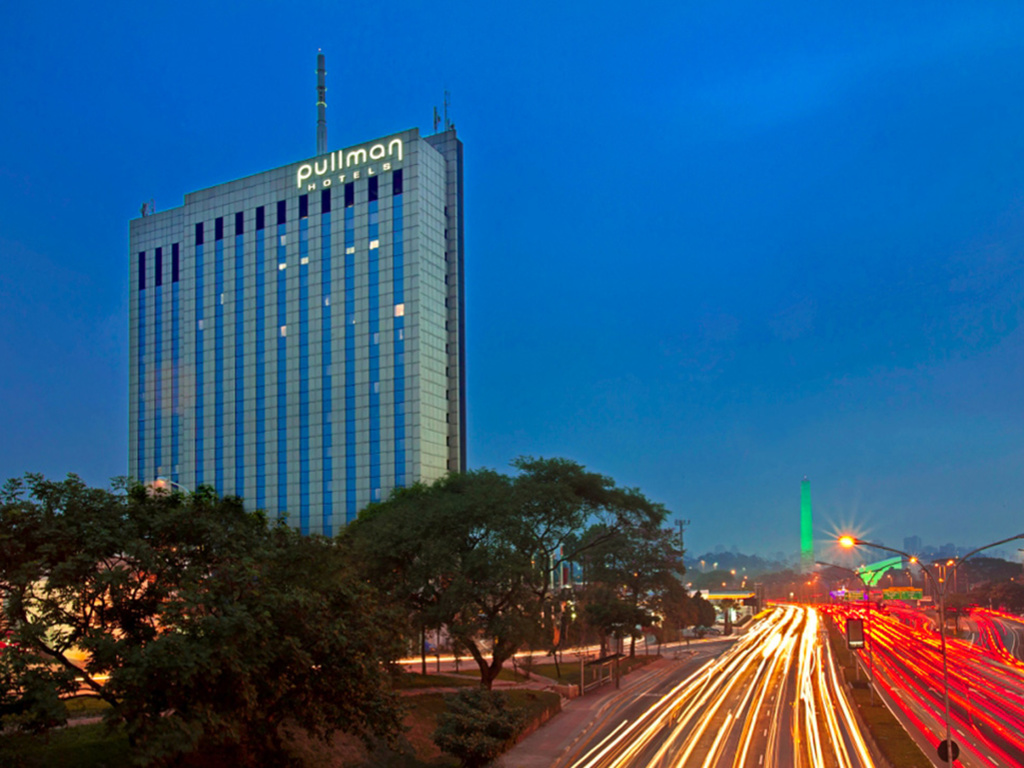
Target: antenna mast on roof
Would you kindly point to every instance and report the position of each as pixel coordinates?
(321, 104)
(448, 125)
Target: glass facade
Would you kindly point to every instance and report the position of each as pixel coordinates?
(200, 384)
(175, 365)
(259, 342)
(356, 366)
(326, 366)
(158, 358)
(350, 353)
(218, 354)
(239, 350)
(140, 391)
(282, 360)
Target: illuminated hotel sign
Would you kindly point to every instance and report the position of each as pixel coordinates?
(323, 169)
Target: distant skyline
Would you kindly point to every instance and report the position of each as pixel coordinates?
(710, 249)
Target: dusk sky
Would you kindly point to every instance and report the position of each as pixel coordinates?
(710, 247)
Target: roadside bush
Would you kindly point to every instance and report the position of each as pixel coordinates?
(477, 726)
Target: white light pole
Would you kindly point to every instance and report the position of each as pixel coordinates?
(951, 749)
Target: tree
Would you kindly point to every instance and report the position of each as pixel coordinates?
(605, 609)
(476, 551)
(197, 623)
(677, 608)
(705, 611)
(1009, 595)
(638, 564)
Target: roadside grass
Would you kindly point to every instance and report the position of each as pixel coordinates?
(418, 749)
(571, 669)
(85, 746)
(85, 706)
(414, 680)
(892, 739)
(93, 746)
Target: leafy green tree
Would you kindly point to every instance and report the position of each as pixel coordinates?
(713, 580)
(476, 726)
(1009, 595)
(639, 565)
(475, 552)
(677, 609)
(199, 624)
(606, 610)
(705, 611)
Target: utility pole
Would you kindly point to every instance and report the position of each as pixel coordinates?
(682, 525)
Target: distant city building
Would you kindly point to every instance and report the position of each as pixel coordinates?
(912, 544)
(297, 336)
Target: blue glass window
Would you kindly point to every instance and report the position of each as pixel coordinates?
(326, 383)
(260, 404)
(239, 293)
(218, 356)
(304, 368)
(282, 369)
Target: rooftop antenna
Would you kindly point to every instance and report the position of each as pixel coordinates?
(321, 104)
(447, 103)
(437, 119)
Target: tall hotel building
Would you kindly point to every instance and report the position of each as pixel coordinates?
(297, 336)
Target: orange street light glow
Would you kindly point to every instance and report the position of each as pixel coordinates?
(847, 541)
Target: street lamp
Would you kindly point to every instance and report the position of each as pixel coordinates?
(948, 749)
(161, 484)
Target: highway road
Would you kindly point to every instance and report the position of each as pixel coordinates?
(986, 682)
(773, 699)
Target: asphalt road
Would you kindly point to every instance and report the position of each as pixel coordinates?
(986, 683)
(771, 699)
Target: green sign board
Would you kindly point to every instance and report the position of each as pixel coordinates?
(902, 593)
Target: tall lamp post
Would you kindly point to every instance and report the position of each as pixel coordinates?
(948, 749)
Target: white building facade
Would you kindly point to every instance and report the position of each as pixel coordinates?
(297, 336)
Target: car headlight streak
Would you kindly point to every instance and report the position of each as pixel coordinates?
(733, 710)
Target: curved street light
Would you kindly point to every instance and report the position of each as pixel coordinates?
(848, 542)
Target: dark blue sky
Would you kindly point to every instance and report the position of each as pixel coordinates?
(711, 247)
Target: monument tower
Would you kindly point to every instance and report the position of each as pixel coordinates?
(806, 528)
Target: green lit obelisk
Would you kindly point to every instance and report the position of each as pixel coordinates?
(806, 533)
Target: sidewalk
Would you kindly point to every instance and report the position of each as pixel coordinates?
(548, 744)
